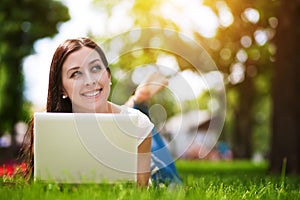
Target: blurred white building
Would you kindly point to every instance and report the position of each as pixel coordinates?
(190, 135)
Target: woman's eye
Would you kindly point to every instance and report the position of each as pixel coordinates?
(96, 68)
(75, 74)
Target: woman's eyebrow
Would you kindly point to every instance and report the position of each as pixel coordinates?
(70, 70)
(73, 68)
(95, 60)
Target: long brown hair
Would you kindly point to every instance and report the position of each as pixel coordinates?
(55, 102)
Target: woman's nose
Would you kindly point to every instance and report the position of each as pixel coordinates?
(90, 80)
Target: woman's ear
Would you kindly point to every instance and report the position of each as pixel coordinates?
(64, 95)
(109, 76)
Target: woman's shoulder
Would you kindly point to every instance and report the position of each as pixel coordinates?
(143, 120)
(129, 110)
(123, 109)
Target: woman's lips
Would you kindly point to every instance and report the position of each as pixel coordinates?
(92, 93)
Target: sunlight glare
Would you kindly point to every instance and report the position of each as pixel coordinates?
(225, 16)
(115, 48)
(213, 80)
(139, 73)
(260, 37)
(120, 19)
(251, 15)
(246, 41)
(182, 85)
(191, 16)
(242, 56)
(134, 35)
(237, 73)
(155, 42)
(168, 63)
(225, 53)
(273, 21)
(88, 14)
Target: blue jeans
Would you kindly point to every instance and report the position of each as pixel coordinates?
(163, 169)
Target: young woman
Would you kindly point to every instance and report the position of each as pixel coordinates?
(79, 81)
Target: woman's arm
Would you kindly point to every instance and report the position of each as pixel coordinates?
(144, 157)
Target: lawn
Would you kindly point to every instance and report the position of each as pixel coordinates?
(201, 180)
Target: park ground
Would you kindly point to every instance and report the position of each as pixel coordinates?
(201, 180)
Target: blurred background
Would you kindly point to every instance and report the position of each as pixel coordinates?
(232, 63)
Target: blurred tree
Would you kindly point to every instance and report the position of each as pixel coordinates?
(286, 87)
(242, 50)
(245, 59)
(22, 22)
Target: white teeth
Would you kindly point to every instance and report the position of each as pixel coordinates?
(91, 94)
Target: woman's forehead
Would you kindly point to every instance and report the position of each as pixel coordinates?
(82, 57)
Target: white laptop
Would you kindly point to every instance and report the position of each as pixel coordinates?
(85, 148)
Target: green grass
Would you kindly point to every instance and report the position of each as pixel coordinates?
(202, 180)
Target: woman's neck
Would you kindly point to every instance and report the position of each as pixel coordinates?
(113, 108)
(107, 108)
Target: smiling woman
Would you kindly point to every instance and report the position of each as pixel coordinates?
(79, 81)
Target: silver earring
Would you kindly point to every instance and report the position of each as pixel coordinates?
(64, 96)
(110, 83)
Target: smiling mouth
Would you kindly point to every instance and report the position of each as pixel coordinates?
(92, 94)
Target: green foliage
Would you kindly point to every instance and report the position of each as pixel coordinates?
(169, 104)
(22, 23)
(201, 180)
(133, 59)
(200, 103)
(262, 115)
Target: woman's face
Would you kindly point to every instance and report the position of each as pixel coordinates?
(86, 81)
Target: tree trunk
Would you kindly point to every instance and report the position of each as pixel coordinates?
(286, 91)
(242, 135)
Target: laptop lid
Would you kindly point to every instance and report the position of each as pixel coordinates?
(85, 148)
